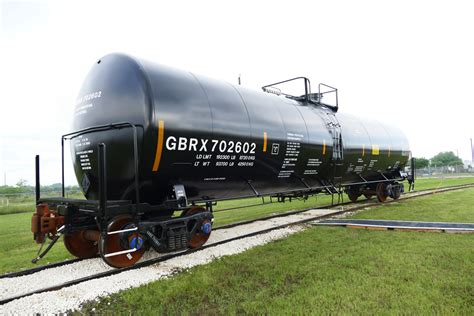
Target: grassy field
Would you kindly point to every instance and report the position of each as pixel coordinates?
(12, 204)
(431, 183)
(16, 238)
(253, 212)
(328, 270)
(17, 246)
(25, 203)
(439, 207)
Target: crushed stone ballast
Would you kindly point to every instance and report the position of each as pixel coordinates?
(64, 276)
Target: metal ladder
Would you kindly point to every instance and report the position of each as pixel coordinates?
(334, 129)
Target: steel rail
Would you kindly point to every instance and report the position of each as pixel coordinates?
(356, 205)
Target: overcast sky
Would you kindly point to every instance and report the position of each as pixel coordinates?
(406, 62)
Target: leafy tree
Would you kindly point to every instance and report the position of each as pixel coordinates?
(22, 187)
(6, 189)
(21, 183)
(446, 158)
(421, 163)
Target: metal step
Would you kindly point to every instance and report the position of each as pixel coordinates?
(332, 190)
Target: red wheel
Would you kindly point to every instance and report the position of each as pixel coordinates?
(121, 242)
(79, 246)
(381, 192)
(200, 236)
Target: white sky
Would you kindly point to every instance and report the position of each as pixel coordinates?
(408, 62)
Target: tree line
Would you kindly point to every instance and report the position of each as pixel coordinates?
(23, 187)
(443, 159)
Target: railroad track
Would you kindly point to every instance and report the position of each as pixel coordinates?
(297, 218)
(354, 206)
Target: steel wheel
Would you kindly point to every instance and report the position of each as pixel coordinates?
(120, 242)
(396, 191)
(200, 236)
(79, 246)
(381, 194)
(353, 196)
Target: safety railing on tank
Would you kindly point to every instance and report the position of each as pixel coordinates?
(330, 90)
(307, 88)
(102, 159)
(315, 98)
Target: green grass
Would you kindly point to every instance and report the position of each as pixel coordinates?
(253, 212)
(25, 203)
(319, 271)
(328, 270)
(438, 182)
(16, 237)
(258, 211)
(17, 246)
(17, 207)
(452, 206)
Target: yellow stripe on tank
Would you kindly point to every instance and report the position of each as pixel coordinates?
(375, 150)
(264, 142)
(324, 147)
(159, 145)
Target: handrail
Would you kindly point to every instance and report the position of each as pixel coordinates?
(307, 87)
(332, 89)
(307, 96)
(98, 128)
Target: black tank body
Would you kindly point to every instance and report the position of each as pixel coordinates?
(218, 140)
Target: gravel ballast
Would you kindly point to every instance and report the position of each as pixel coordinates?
(11, 287)
(72, 297)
